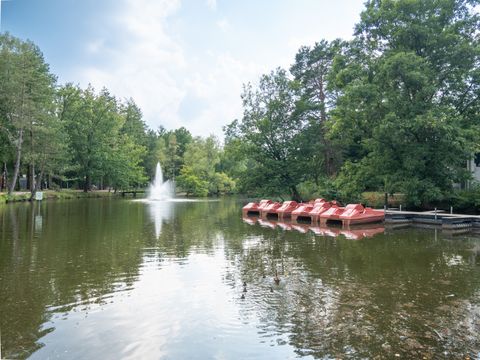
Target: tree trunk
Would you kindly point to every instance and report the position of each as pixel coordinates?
(4, 177)
(295, 194)
(31, 166)
(31, 177)
(86, 186)
(38, 183)
(17, 163)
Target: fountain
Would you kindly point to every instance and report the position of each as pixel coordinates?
(159, 190)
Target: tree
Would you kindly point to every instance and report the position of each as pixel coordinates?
(407, 111)
(270, 131)
(201, 171)
(312, 70)
(191, 183)
(92, 122)
(26, 93)
(123, 165)
(49, 149)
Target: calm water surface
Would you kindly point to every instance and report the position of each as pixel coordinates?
(111, 279)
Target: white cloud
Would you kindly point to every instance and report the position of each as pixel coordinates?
(223, 24)
(212, 4)
(153, 52)
(143, 60)
(220, 88)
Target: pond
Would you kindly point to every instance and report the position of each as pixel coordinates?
(111, 279)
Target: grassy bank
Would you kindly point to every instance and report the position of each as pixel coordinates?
(57, 195)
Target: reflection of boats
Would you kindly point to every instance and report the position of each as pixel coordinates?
(301, 228)
(360, 233)
(325, 231)
(357, 214)
(253, 208)
(249, 220)
(349, 233)
(284, 226)
(267, 223)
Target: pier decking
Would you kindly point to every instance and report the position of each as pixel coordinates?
(446, 220)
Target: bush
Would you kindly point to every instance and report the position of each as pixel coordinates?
(377, 199)
(324, 189)
(463, 201)
(191, 184)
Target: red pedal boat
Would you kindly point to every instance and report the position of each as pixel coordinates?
(301, 211)
(286, 209)
(304, 210)
(357, 214)
(318, 209)
(270, 209)
(333, 213)
(253, 208)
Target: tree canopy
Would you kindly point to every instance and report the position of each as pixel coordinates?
(394, 109)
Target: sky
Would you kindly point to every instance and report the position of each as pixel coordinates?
(184, 62)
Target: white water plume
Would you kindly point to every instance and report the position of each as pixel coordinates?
(160, 190)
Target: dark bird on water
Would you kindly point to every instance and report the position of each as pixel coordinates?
(244, 284)
(242, 297)
(276, 278)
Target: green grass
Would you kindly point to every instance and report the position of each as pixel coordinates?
(65, 194)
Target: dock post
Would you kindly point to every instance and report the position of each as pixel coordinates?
(435, 214)
(451, 209)
(400, 207)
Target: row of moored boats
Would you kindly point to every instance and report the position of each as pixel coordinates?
(317, 211)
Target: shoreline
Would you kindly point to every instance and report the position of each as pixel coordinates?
(24, 196)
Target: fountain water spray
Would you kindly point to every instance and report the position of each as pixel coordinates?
(158, 189)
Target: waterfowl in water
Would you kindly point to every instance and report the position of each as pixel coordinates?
(276, 278)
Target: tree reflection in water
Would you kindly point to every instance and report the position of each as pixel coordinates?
(404, 291)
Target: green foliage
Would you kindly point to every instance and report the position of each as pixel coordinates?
(405, 115)
(270, 132)
(323, 188)
(191, 183)
(199, 175)
(394, 110)
(26, 100)
(467, 201)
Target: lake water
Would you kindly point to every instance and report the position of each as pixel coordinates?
(123, 279)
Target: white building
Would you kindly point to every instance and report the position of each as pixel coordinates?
(474, 166)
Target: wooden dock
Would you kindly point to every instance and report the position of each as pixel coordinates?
(132, 192)
(439, 218)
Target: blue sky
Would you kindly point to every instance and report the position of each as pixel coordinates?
(182, 61)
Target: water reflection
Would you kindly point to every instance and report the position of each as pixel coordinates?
(351, 233)
(160, 211)
(123, 279)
